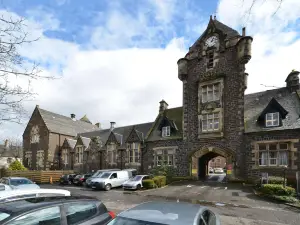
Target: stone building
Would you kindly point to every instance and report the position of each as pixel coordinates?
(255, 133)
(44, 135)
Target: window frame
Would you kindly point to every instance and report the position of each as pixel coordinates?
(215, 88)
(272, 120)
(166, 131)
(277, 152)
(80, 203)
(205, 120)
(166, 157)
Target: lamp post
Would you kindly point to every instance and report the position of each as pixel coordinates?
(284, 175)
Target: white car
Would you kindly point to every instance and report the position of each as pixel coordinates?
(12, 195)
(19, 183)
(110, 180)
(218, 170)
(135, 183)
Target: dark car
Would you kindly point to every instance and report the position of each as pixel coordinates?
(55, 211)
(162, 213)
(81, 179)
(67, 178)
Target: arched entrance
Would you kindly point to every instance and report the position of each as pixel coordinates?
(199, 160)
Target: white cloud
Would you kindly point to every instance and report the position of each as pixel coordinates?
(276, 44)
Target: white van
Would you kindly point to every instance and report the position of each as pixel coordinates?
(110, 179)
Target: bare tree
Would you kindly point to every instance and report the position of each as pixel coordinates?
(14, 69)
(15, 146)
(256, 2)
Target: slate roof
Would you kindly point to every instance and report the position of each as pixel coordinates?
(121, 133)
(65, 125)
(255, 104)
(174, 116)
(71, 142)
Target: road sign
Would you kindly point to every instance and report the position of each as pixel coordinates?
(229, 172)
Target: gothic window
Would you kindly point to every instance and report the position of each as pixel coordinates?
(272, 119)
(40, 159)
(166, 131)
(65, 156)
(210, 122)
(273, 154)
(211, 92)
(111, 153)
(133, 153)
(34, 135)
(79, 154)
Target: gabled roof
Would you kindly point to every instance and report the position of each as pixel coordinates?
(273, 104)
(174, 117)
(256, 103)
(57, 123)
(85, 119)
(71, 142)
(121, 133)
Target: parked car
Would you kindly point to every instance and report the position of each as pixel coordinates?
(12, 195)
(135, 183)
(19, 183)
(98, 173)
(4, 187)
(160, 213)
(211, 170)
(80, 179)
(218, 170)
(67, 178)
(61, 210)
(110, 180)
(132, 172)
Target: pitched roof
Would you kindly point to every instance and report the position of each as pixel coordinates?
(121, 133)
(174, 116)
(256, 103)
(85, 119)
(65, 125)
(71, 142)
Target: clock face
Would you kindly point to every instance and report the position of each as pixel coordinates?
(211, 41)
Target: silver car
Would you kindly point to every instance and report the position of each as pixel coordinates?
(19, 183)
(171, 213)
(135, 183)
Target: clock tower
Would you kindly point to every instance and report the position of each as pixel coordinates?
(214, 81)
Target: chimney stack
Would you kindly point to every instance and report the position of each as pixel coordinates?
(112, 125)
(244, 31)
(163, 106)
(98, 125)
(292, 81)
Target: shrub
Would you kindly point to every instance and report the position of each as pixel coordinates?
(277, 189)
(275, 180)
(236, 180)
(182, 178)
(160, 181)
(166, 171)
(149, 184)
(16, 165)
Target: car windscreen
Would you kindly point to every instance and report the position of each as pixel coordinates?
(20, 181)
(122, 220)
(105, 175)
(3, 215)
(136, 178)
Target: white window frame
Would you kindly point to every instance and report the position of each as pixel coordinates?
(65, 156)
(34, 135)
(206, 121)
(212, 89)
(166, 156)
(272, 122)
(166, 131)
(273, 161)
(79, 154)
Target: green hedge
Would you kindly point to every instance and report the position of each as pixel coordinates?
(160, 181)
(275, 180)
(277, 189)
(149, 184)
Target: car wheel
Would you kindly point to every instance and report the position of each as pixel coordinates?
(138, 187)
(107, 187)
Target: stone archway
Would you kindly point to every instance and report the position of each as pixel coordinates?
(205, 154)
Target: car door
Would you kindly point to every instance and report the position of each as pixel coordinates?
(46, 216)
(114, 179)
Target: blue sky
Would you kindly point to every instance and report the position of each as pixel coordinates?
(117, 59)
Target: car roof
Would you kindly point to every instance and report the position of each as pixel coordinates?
(20, 206)
(5, 194)
(15, 178)
(165, 212)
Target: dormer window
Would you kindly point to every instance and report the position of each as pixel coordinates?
(272, 119)
(166, 131)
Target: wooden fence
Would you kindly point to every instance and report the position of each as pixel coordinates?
(39, 176)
